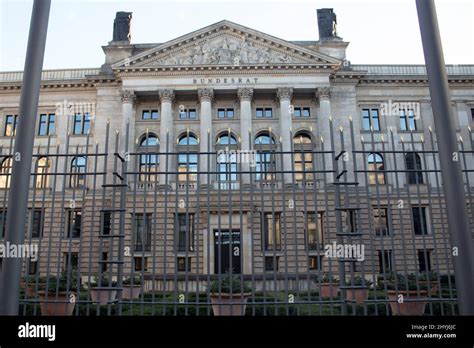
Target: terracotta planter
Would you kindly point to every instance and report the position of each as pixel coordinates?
(29, 288)
(229, 304)
(358, 295)
(406, 308)
(434, 285)
(329, 289)
(59, 304)
(103, 296)
(131, 292)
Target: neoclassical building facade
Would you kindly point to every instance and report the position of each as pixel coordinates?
(228, 148)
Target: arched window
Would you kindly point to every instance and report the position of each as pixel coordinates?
(5, 172)
(227, 158)
(265, 163)
(264, 139)
(42, 170)
(303, 157)
(187, 158)
(78, 169)
(188, 139)
(226, 139)
(413, 165)
(376, 169)
(149, 158)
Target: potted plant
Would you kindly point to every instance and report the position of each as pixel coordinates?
(58, 294)
(329, 285)
(103, 289)
(402, 289)
(229, 295)
(430, 281)
(357, 289)
(28, 284)
(131, 288)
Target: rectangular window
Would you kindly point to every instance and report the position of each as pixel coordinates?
(185, 231)
(315, 263)
(370, 119)
(184, 264)
(32, 267)
(225, 113)
(82, 124)
(103, 263)
(272, 231)
(140, 264)
(47, 124)
(3, 222)
(424, 260)
(142, 232)
(385, 261)
(106, 221)
(264, 113)
(420, 225)
(71, 261)
(10, 125)
(150, 114)
(349, 221)
(303, 166)
(187, 167)
(271, 263)
(301, 112)
(265, 166)
(315, 231)
(187, 114)
(380, 221)
(407, 120)
(36, 223)
(74, 222)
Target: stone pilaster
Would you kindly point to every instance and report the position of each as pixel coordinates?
(245, 95)
(285, 95)
(323, 96)
(166, 134)
(206, 96)
(128, 100)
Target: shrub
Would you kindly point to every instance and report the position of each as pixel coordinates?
(229, 284)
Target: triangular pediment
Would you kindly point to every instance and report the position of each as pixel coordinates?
(225, 43)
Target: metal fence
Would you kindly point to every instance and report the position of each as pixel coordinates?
(350, 225)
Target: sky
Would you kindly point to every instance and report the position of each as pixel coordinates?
(379, 31)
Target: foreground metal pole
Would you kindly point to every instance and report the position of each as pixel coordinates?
(22, 156)
(458, 223)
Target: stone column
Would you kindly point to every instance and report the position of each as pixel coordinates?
(128, 99)
(323, 95)
(285, 95)
(166, 134)
(245, 95)
(205, 97)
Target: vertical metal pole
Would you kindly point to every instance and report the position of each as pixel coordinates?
(458, 223)
(22, 157)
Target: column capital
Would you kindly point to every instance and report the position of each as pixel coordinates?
(128, 96)
(284, 93)
(323, 93)
(245, 94)
(205, 94)
(166, 95)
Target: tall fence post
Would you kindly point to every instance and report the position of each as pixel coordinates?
(458, 223)
(22, 156)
